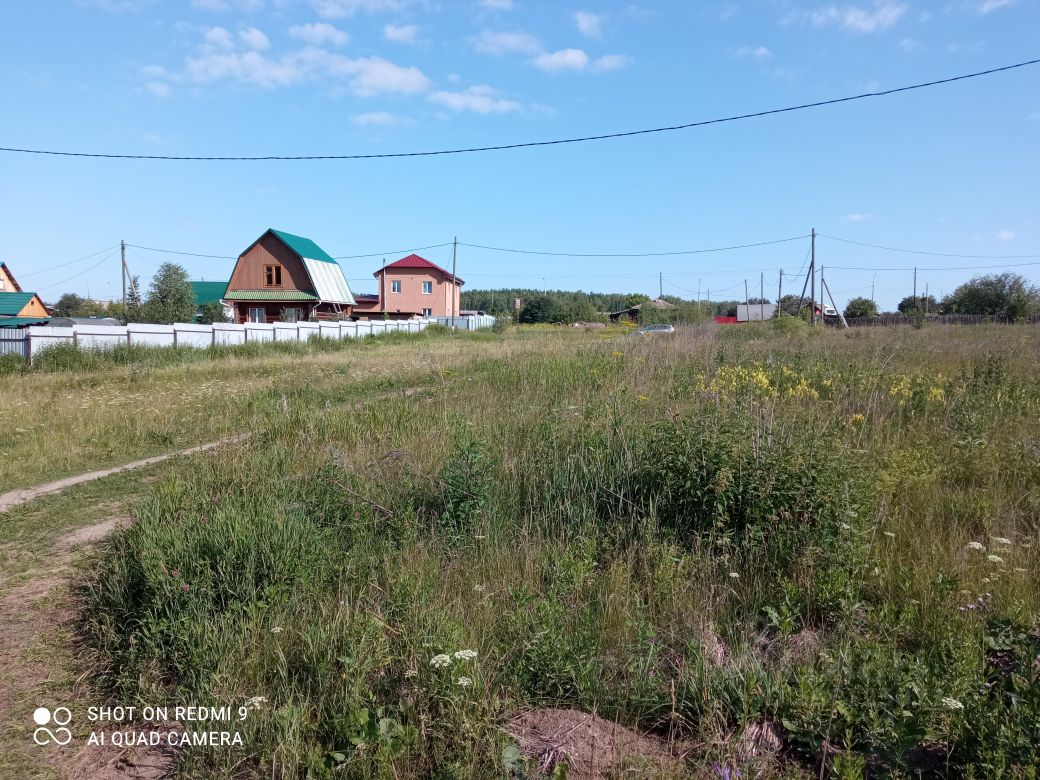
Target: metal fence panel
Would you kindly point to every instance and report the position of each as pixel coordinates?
(14, 342)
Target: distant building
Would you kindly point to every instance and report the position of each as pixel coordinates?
(412, 287)
(212, 292)
(282, 277)
(632, 313)
(15, 302)
(755, 312)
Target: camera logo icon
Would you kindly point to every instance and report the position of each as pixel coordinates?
(60, 735)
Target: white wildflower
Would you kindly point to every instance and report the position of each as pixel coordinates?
(952, 704)
(255, 702)
(1001, 540)
(890, 535)
(465, 655)
(1019, 569)
(277, 630)
(994, 559)
(478, 588)
(984, 580)
(976, 546)
(440, 660)
(734, 575)
(465, 682)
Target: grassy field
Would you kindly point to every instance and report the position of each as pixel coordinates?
(827, 537)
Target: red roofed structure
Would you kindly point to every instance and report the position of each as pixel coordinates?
(412, 287)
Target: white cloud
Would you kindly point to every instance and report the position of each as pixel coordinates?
(376, 119)
(507, 43)
(158, 88)
(857, 218)
(910, 45)
(589, 25)
(479, 99)
(403, 33)
(219, 37)
(497, 5)
(1006, 235)
(755, 52)
(988, 6)
(319, 34)
(610, 62)
(254, 39)
(565, 59)
(338, 9)
(215, 62)
(853, 18)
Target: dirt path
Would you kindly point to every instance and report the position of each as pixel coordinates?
(38, 617)
(18, 497)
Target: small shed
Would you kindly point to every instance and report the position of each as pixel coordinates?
(632, 313)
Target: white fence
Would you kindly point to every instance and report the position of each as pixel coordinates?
(29, 341)
(467, 323)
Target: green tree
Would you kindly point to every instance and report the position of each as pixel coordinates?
(538, 308)
(1007, 294)
(68, 305)
(134, 307)
(789, 304)
(170, 298)
(212, 311)
(922, 303)
(861, 307)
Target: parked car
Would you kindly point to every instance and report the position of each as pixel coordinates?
(649, 330)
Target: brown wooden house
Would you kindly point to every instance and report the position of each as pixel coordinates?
(15, 302)
(287, 278)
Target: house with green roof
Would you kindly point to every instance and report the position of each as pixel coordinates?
(16, 302)
(211, 292)
(281, 277)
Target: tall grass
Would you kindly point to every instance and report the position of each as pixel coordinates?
(688, 535)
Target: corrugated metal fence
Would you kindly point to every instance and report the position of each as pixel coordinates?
(29, 341)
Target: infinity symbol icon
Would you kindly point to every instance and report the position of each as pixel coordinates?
(61, 737)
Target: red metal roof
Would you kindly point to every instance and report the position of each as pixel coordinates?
(414, 261)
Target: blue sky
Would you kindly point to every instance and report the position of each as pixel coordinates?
(952, 169)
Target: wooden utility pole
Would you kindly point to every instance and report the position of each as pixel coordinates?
(779, 292)
(698, 297)
(747, 303)
(915, 286)
(122, 257)
(660, 284)
(812, 275)
(454, 283)
(926, 299)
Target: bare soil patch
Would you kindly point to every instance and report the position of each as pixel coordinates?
(590, 747)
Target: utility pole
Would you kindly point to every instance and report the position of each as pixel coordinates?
(926, 299)
(812, 276)
(454, 283)
(779, 292)
(747, 303)
(698, 297)
(122, 257)
(762, 296)
(660, 284)
(872, 280)
(915, 286)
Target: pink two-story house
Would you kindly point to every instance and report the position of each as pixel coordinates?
(411, 287)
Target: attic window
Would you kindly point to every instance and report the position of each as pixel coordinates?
(272, 276)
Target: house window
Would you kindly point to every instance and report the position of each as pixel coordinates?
(427, 312)
(427, 288)
(292, 314)
(258, 314)
(272, 276)
(395, 286)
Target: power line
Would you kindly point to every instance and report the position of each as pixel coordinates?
(391, 252)
(71, 262)
(186, 254)
(529, 144)
(921, 252)
(634, 254)
(80, 273)
(931, 268)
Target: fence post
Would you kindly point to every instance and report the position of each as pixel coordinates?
(174, 327)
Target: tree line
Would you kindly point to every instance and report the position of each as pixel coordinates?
(1004, 295)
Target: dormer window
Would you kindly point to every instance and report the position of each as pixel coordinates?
(272, 276)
